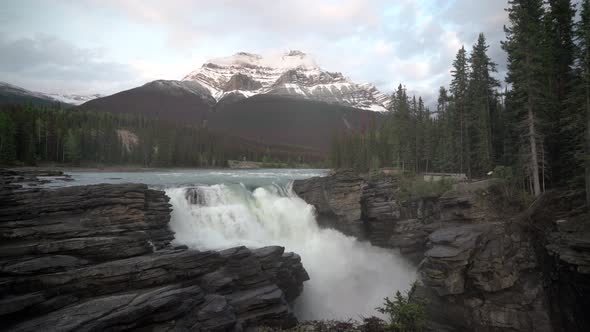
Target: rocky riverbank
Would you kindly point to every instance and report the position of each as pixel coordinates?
(483, 267)
(94, 258)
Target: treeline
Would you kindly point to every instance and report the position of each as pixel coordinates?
(538, 126)
(461, 135)
(31, 135)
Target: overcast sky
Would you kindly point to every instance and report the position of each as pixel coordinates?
(104, 46)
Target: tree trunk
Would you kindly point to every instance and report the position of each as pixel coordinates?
(532, 133)
(461, 148)
(587, 156)
(543, 166)
(468, 151)
(534, 167)
(489, 136)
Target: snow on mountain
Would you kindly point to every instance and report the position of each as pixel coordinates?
(18, 91)
(74, 99)
(289, 74)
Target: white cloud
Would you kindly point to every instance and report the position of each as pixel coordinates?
(383, 47)
(48, 63)
(414, 70)
(450, 39)
(150, 70)
(384, 42)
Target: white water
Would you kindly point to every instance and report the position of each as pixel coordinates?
(348, 278)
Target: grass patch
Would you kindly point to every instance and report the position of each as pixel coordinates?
(417, 187)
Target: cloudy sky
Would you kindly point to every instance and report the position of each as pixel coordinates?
(104, 46)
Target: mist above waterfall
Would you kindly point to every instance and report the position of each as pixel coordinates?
(349, 278)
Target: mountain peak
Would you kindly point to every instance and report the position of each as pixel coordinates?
(295, 53)
(292, 73)
(247, 54)
(288, 60)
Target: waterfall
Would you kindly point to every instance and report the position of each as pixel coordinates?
(349, 278)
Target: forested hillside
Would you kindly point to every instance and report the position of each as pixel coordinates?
(31, 135)
(535, 130)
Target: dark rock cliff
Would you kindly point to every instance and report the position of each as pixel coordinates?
(337, 200)
(369, 209)
(561, 227)
(94, 258)
(482, 267)
(242, 82)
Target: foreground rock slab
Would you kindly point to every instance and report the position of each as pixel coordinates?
(96, 258)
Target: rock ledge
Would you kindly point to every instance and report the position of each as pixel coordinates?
(95, 258)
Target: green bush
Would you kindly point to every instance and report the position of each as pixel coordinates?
(406, 313)
(412, 187)
(509, 189)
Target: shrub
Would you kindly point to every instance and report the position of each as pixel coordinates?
(406, 313)
(509, 189)
(416, 187)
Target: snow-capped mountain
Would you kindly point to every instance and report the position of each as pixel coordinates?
(7, 88)
(13, 93)
(285, 99)
(294, 73)
(74, 99)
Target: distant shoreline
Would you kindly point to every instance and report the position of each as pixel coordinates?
(107, 169)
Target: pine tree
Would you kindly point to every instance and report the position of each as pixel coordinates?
(459, 86)
(401, 128)
(428, 140)
(411, 137)
(481, 105)
(420, 134)
(525, 73)
(444, 155)
(579, 120)
(7, 141)
(72, 152)
(336, 152)
(559, 49)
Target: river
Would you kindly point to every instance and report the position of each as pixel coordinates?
(256, 208)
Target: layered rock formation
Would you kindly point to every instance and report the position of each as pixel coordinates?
(371, 209)
(336, 199)
(482, 267)
(561, 228)
(99, 257)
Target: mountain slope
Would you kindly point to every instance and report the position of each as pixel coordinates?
(284, 100)
(168, 100)
(267, 118)
(293, 74)
(12, 94)
(73, 99)
(292, 121)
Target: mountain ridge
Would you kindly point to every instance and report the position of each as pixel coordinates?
(10, 93)
(293, 73)
(283, 100)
